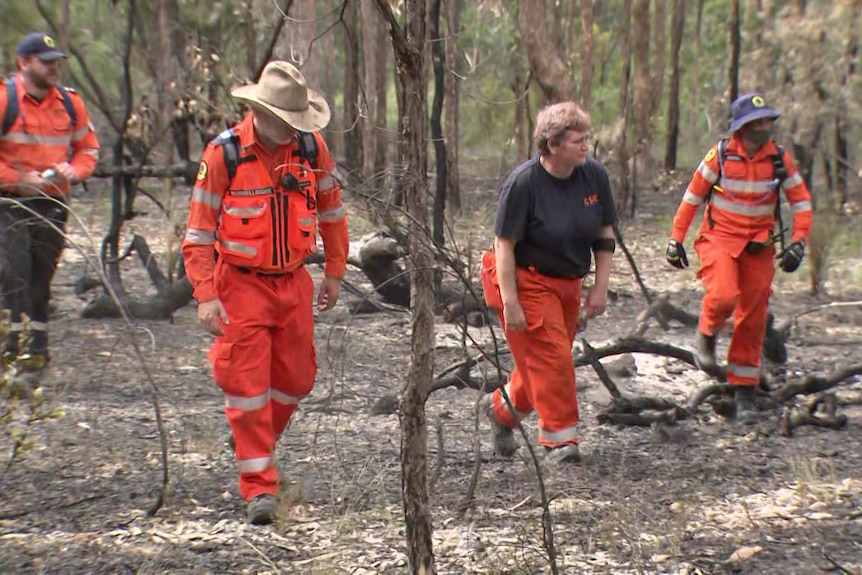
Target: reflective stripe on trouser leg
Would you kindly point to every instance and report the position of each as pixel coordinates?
(294, 358)
(719, 273)
(543, 352)
(746, 345)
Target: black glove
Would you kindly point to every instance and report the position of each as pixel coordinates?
(676, 255)
(792, 257)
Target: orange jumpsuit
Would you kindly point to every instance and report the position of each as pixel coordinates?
(743, 211)
(261, 232)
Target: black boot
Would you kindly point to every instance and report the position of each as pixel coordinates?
(36, 357)
(705, 357)
(746, 411)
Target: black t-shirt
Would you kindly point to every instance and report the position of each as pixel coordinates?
(554, 222)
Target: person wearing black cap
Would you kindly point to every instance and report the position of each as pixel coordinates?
(47, 144)
(740, 180)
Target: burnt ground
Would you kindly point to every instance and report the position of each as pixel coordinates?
(681, 500)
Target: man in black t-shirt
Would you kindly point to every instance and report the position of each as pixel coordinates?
(555, 211)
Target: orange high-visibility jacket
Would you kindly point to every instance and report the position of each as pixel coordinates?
(42, 136)
(743, 206)
(253, 221)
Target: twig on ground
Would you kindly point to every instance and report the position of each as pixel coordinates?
(836, 566)
(590, 355)
(269, 562)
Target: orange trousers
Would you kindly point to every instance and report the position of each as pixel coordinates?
(265, 363)
(544, 376)
(740, 285)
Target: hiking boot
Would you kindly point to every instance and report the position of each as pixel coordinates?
(563, 454)
(705, 356)
(36, 357)
(746, 411)
(261, 509)
(10, 348)
(504, 437)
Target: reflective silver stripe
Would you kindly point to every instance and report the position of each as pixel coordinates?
(743, 370)
(37, 140)
(200, 237)
(707, 174)
(283, 397)
(238, 247)
(803, 206)
(254, 465)
(16, 326)
(206, 197)
(566, 434)
(80, 134)
(333, 215)
(325, 182)
(793, 180)
(519, 415)
(37, 326)
(247, 403)
(747, 187)
(692, 199)
(743, 209)
(91, 152)
(244, 212)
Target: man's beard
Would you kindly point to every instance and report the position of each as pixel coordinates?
(41, 82)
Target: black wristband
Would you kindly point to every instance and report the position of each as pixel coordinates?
(605, 245)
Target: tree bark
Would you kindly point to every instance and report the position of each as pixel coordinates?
(548, 66)
(588, 57)
(694, 108)
(677, 30)
(408, 44)
(452, 104)
(625, 192)
(735, 50)
(658, 56)
(353, 131)
(642, 93)
(438, 61)
(369, 92)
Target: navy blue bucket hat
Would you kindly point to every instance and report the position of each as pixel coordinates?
(749, 108)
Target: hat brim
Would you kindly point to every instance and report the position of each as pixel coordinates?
(51, 56)
(315, 118)
(759, 114)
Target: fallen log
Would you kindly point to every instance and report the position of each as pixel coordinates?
(185, 170)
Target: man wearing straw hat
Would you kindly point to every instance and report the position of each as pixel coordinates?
(263, 189)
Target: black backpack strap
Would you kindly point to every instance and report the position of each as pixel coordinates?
(11, 105)
(722, 150)
(308, 148)
(229, 143)
(70, 107)
(780, 170)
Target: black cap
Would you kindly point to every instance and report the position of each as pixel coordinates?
(40, 45)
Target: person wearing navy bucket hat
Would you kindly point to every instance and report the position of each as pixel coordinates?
(740, 181)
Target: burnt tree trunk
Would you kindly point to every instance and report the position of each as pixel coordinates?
(438, 61)
(735, 48)
(353, 132)
(677, 29)
(451, 111)
(588, 47)
(408, 43)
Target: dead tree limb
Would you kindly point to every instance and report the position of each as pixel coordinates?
(793, 418)
(811, 384)
(185, 170)
(590, 355)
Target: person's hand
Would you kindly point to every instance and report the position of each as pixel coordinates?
(327, 295)
(31, 184)
(676, 255)
(513, 316)
(597, 302)
(67, 172)
(209, 314)
(792, 257)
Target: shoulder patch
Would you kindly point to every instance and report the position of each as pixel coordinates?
(202, 171)
(709, 155)
(70, 89)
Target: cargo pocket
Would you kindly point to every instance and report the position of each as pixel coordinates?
(490, 285)
(220, 356)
